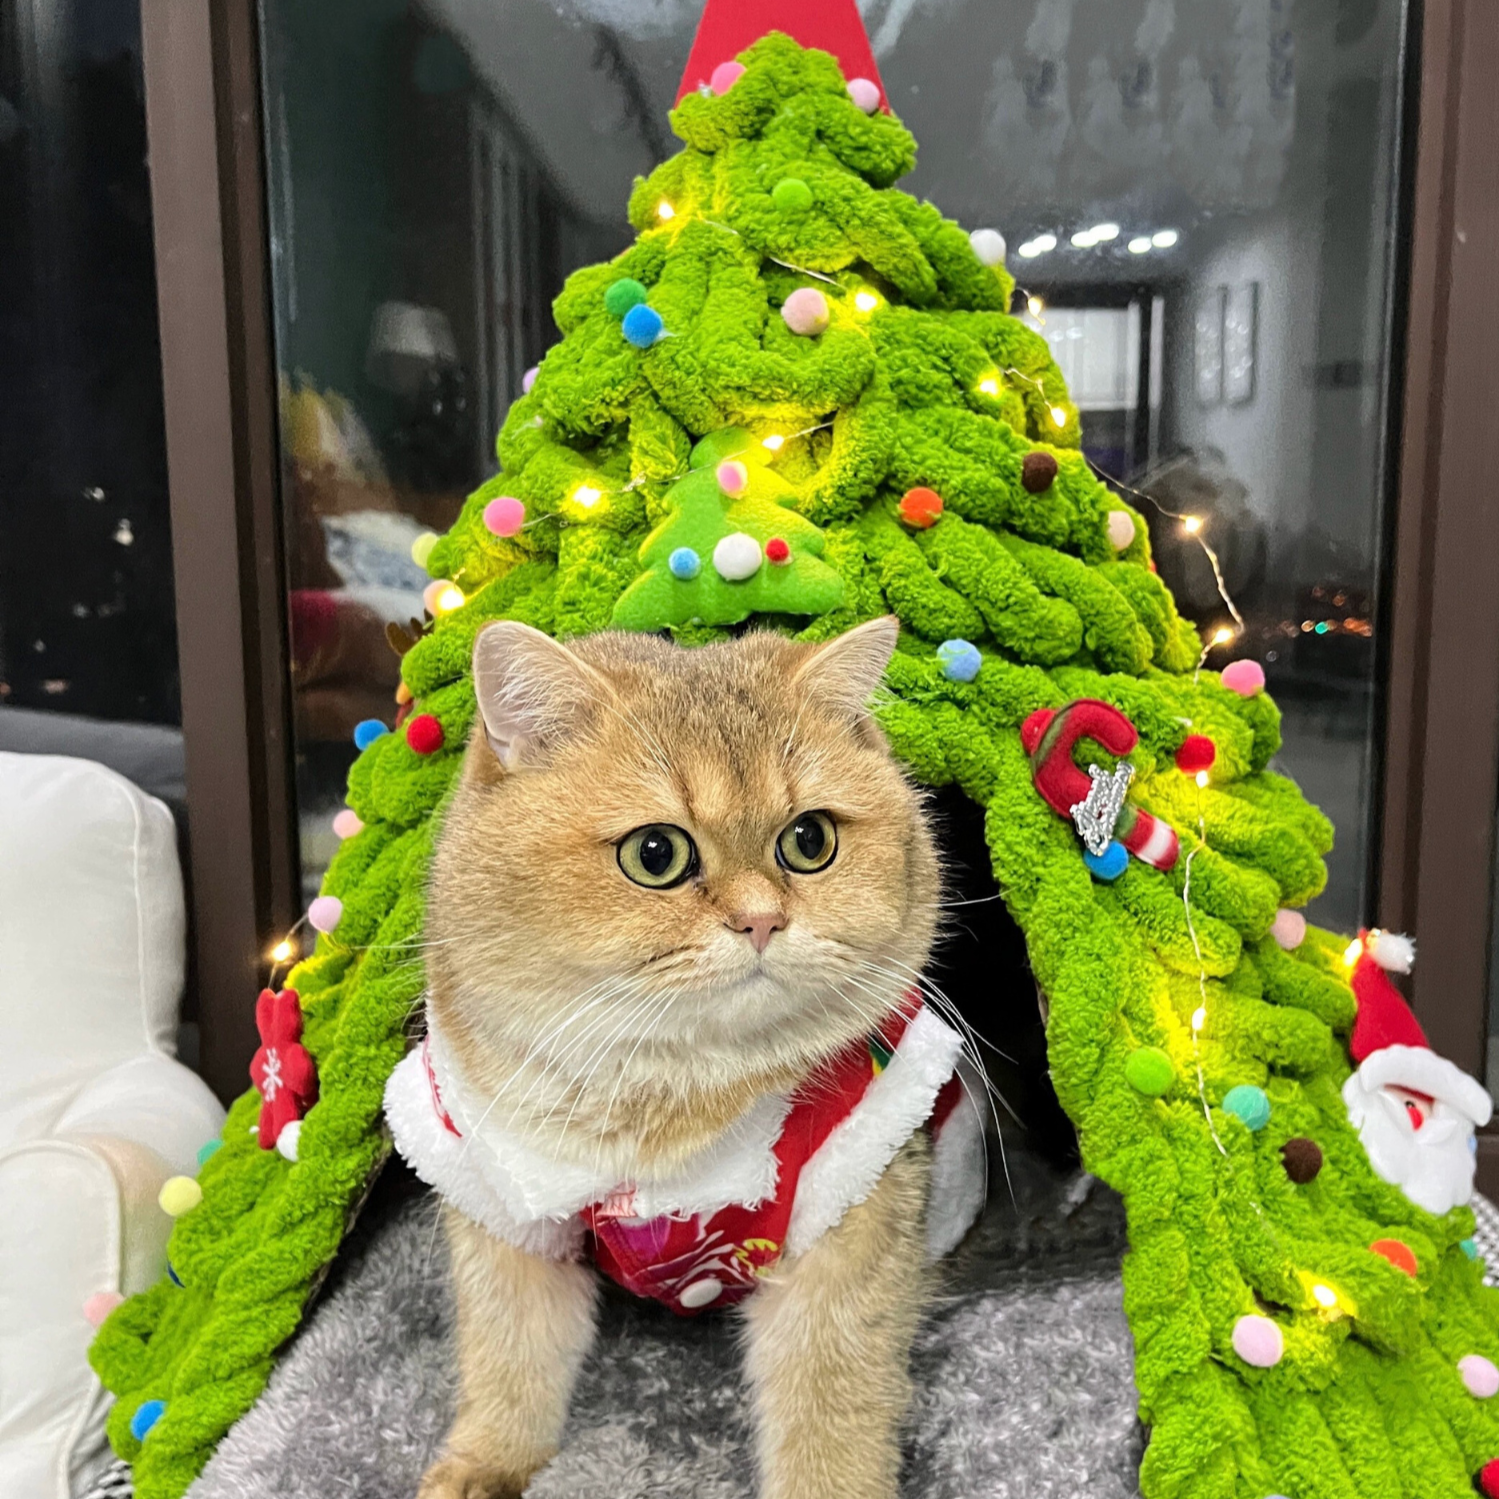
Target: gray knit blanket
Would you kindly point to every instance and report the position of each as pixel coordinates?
(1023, 1374)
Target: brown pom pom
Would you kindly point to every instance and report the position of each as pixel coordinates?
(1303, 1159)
(1037, 471)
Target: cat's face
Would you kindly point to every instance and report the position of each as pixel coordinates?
(707, 848)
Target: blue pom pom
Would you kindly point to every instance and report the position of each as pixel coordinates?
(960, 660)
(1249, 1104)
(642, 325)
(367, 731)
(1469, 1247)
(172, 1274)
(684, 563)
(208, 1150)
(147, 1414)
(1108, 865)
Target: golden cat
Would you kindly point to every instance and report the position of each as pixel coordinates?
(677, 912)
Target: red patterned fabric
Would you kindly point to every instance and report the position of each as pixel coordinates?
(693, 1263)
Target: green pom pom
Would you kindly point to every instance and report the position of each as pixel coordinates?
(791, 195)
(1248, 1103)
(1149, 1070)
(623, 295)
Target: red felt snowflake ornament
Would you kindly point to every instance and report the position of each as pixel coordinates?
(282, 1070)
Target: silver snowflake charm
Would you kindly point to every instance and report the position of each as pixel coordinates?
(1095, 817)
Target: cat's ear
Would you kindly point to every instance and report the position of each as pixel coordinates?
(532, 691)
(846, 671)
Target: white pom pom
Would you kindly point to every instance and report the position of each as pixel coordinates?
(1392, 951)
(988, 245)
(289, 1138)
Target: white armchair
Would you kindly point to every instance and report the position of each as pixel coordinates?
(95, 1112)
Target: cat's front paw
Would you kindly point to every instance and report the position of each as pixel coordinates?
(461, 1478)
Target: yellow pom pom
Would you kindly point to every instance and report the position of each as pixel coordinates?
(179, 1195)
(421, 548)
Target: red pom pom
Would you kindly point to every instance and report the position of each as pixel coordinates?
(1398, 1254)
(776, 550)
(921, 507)
(1488, 1479)
(424, 734)
(1034, 727)
(1197, 752)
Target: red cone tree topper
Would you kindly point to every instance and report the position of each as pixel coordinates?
(729, 26)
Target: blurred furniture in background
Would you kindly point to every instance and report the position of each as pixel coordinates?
(95, 1110)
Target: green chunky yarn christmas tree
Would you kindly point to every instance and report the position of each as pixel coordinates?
(820, 351)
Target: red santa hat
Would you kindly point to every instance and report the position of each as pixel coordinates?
(1388, 1044)
(729, 26)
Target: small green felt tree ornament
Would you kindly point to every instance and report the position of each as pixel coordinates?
(730, 546)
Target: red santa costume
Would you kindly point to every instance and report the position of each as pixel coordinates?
(1414, 1111)
(777, 1180)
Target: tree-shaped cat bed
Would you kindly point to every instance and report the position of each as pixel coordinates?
(799, 400)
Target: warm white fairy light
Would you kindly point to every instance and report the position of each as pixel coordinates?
(866, 301)
(1222, 635)
(664, 210)
(282, 951)
(774, 443)
(1325, 1296)
(587, 496)
(1035, 306)
(1199, 1019)
(1202, 778)
(450, 598)
(989, 385)
(1059, 416)
(1191, 524)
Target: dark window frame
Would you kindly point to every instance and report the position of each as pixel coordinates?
(1439, 778)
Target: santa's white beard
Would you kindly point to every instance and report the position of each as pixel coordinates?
(1433, 1165)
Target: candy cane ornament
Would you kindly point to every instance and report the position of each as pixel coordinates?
(1049, 736)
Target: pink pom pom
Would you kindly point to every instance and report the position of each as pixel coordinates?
(806, 311)
(732, 476)
(1258, 1341)
(865, 93)
(725, 76)
(1289, 928)
(1479, 1376)
(99, 1306)
(325, 913)
(529, 379)
(347, 823)
(1244, 677)
(504, 516)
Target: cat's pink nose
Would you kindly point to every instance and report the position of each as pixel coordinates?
(758, 926)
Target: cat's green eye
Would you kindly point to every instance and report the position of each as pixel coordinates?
(658, 856)
(808, 843)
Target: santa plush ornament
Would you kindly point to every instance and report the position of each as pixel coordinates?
(1414, 1111)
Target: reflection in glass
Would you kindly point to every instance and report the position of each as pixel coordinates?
(1197, 200)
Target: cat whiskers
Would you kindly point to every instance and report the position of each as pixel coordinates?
(945, 1007)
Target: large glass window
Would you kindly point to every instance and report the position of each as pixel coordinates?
(87, 627)
(1198, 201)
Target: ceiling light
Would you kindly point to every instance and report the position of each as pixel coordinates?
(1102, 232)
(1044, 242)
(1083, 239)
(1139, 245)
(1163, 239)
(1030, 249)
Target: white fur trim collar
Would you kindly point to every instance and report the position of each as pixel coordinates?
(895, 1105)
